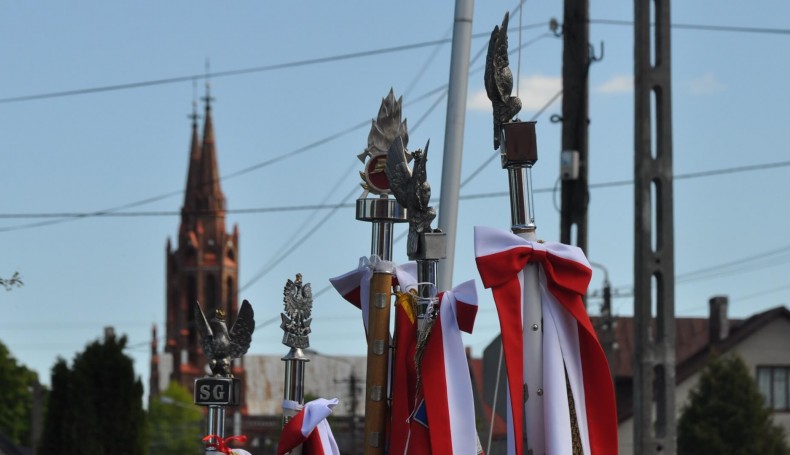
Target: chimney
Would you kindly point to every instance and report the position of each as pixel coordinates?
(718, 325)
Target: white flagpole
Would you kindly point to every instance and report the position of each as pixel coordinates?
(519, 153)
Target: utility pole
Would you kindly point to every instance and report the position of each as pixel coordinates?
(574, 158)
(654, 267)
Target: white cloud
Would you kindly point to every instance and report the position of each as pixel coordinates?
(617, 84)
(535, 92)
(706, 84)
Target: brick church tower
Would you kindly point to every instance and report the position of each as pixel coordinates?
(203, 267)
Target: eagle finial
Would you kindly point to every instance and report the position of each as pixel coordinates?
(220, 345)
(298, 303)
(411, 189)
(499, 80)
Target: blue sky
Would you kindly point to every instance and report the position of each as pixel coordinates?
(89, 152)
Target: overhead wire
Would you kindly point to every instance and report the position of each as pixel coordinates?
(288, 244)
(246, 170)
(242, 71)
(288, 247)
(352, 55)
(314, 207)
(702, 27)
(265, 163)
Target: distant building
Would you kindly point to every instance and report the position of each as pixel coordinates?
(760, 340)
(203, 267)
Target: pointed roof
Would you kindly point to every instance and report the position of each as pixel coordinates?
(193, 174)
(210, 190)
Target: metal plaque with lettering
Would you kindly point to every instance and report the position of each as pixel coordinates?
(214, 391)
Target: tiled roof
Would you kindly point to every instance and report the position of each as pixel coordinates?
(691, 336)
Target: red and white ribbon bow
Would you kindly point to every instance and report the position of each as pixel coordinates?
(570, 344)
(309, 429)
(221, 444)
(354, 286)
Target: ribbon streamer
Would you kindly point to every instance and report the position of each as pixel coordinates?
(221, 444)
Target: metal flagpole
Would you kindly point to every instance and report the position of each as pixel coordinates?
(221, 346)
(298, 303)
(520, 152)
(454, 133)
(382, 212)
(517, 145)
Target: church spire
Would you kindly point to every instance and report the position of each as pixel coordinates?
(213, 199)
(193, 174)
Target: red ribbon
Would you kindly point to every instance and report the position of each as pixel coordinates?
(221, 443)
(567, 278)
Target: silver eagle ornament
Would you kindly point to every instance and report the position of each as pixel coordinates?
(499, 80)
(411, 189)
(298, 302)
(220, 345)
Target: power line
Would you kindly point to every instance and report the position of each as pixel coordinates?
(288, 249)
(353, 55)
(314, 207)
(242, 71)
(274, 263)
(703, 27)
(108, 212)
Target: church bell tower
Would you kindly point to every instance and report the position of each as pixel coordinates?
(203, 267)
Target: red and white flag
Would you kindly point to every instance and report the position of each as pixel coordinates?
(440, 418)
(310, 430)
(570, 344)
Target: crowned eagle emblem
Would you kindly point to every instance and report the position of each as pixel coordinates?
(220, 345)
(298, 302)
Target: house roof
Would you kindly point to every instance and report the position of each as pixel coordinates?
(692, 349)
(737, 334)
(691, 336)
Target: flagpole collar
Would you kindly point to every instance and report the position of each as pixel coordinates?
(380, 209)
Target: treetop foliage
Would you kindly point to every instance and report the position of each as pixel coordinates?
(96, 405)
(16, 398)
(726, 414)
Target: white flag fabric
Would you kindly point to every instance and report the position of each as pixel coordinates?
(570, 345)
(310, 430)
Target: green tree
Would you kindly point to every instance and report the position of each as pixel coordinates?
(726, 414)
(96, 406)
(175, 423)
(57, 436)
(16, 398)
